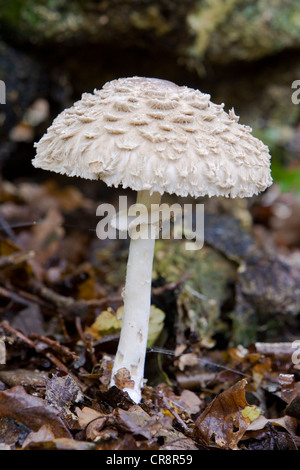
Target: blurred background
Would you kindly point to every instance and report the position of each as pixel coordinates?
(244, 53)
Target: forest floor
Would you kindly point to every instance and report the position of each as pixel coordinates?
(56, 281)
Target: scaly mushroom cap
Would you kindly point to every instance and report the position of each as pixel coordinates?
(150, 134)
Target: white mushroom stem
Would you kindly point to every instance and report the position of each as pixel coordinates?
(137, 300)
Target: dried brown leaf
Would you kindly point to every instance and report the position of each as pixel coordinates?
(93, 430)
(135, 420)
(222, 422)
(31, 411)
(140, 423)
(293, 409)
(86, 415)
(44, 434)
(270, 438)
(25, 377)
(286, 422)
(178, 441)
(192, 403)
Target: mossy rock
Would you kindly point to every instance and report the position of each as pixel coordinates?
(202, 295)
(231, 30)
(220, 30)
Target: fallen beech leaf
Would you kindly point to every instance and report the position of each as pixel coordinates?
(140, 423)
(175, 440)
(135, 420)
(286, 422)
(86, 415)
(222, 422)
(192, 401)
(109, 322)
(293, 409)
(93, 430)
(44, 434)
(270, 438)
(24, 377)
(251, 412)
(61, 443)
(31, 411)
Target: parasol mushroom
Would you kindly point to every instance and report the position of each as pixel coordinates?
(152, 136)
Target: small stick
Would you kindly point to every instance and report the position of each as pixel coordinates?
(7, 229)
(64, 350)
(17, 333)
(13, 296)
(175, 414)
(86, 341)
(170, 285)
(15, 258)
(60, 301)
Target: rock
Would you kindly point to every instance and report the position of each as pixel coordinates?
(136, 23)
(202, 295)
(226, 31)
(222, 31)
(234, 288)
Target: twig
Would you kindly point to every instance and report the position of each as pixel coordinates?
(170, 285)
(7, 229)
(15, 258)
(13, 296)
(175, 414)
(60, 366)
(61, 349)
(60, 301)
(6, 326)
(86, 341)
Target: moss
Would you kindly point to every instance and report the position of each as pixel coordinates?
(133, 23)
(244, 29)
(220, 30)
(205, 20)
(151, 18)
(203, 294)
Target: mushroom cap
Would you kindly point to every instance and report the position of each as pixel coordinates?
(151, 134)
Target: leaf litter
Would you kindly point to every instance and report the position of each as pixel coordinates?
(222, 372)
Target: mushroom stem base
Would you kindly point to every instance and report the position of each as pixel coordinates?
(128, 369)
